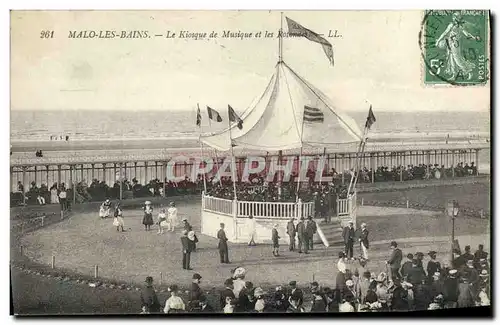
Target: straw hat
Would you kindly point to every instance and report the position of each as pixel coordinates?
(147, 203)
(484, 274)
(349, 283)
(172, 204)
(258, 292)
(239, 272)
(381, 277)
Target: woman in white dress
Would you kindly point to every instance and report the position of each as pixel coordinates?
(118, 221)
(172, 217)
(105, 208)
(162, 221)
(251, 225)
(54, 198)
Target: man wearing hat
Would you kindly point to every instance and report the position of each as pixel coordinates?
(364, 284)
(472, 276)
(246, 298)
(484, 281)
(399, 300)
(195, 294)
(222, 246)
(395, 261)
(311, 229)
(319, 301)
(291, 232)
(205, 308)
(149, 299)
(227, 292)
(451, 289)
(416, 273)
(363, 240)
(480, 253)
(407, 265)
(276, 240)
(467, 255)
(301, 235)
(296, 292)
(433, 266)
(187, 248)
(348, 235)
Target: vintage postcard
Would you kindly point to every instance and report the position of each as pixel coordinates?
(221, 162)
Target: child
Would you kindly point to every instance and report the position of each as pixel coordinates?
(275, 238)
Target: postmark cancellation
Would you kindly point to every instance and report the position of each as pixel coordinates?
(455, 47)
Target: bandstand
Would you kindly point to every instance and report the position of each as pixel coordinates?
(291, 114)
(234, 214)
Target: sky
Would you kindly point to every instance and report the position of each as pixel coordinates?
(377, 58)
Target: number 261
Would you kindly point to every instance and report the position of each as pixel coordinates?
(47, 34)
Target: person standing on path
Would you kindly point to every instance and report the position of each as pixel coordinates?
(363, 241)
(394, 262)
(291, 232)
(222, 246)
(348, 235)
(301, 235)
(311, 229)
(172, 217)
(276, 238)
(186, 251)
(147, 220)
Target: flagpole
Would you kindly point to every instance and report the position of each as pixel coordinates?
(361, 148)
(280, 40)
(201, 152)
(300, 161)
(323, 159)
(354, 180)
(233, 162)
(215, 151)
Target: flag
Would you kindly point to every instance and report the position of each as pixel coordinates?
(295, 29)
(233, 117)
(198, 117)
(213, 114)
(313, 115)
(370, 119)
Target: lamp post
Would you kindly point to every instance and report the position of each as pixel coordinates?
(452, 210)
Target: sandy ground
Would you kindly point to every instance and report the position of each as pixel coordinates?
(85, 240)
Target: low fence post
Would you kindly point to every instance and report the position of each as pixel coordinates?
(362, 201)
(161, 278)
(62, 214)
(53, 264)
(96, 271)
(22, 250)
(407, 204)
(43, 218)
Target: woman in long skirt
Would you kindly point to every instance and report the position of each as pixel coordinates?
(172, 217)
(118, 222)
(147, 221)
(105, 208)
(162, 221)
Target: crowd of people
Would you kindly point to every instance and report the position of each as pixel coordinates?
(257, 188)
(408, 286)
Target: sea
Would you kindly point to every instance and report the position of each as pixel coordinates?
(89, 125)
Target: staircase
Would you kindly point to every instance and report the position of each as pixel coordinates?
(332, 231)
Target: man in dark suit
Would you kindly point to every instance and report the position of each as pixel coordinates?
(223, 249)
(301, 235)
(205, 308)
(196, 294)
(323, 203)
(227, 292)
(395, 261)
(407, 265)
(311, 229)
(291, 231)
(433, 266)
(348, 235)
(186, 251)
(296, 292)
(363, 240)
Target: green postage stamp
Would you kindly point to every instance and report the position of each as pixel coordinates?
(455, 47)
